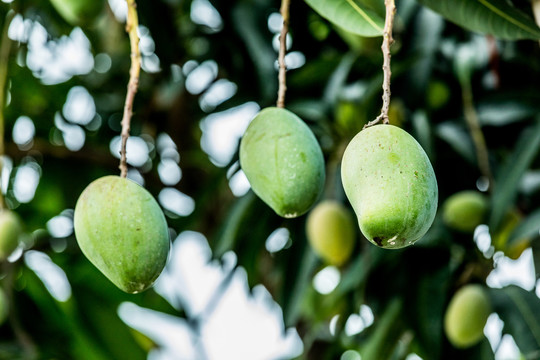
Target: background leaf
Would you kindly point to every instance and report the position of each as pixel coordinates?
(519, 309)
(507, 180)
(495, 17)
(351, 15)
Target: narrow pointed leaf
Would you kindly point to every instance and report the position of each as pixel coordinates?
(351, 15)
(495, 17)
(507, 181)
(519, 309)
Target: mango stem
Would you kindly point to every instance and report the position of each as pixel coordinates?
(132, 25)
(388, 40)
(285, 4)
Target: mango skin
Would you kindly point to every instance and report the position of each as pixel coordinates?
(282, 161)
(10, 232)
(391, 185)
(330, 231)
(465, 210)
(121, 229)
(466, 316)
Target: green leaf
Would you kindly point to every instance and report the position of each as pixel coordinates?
(429, 310)
(536, 257)
(519, 309)
(495, 17)
(458, 138)
(507, 181)
(527, 228)
(388, 328)
(351, 15)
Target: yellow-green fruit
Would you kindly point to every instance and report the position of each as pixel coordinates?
(4, 306)
(391, 185)
(121, 229)
(438, 94)
(466, 316)
(282, 161)
(78, 12)
(500, 237)
(465, 210)
(330, 232)
(10, 231)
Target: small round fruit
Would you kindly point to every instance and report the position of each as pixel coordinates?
(282, 161)
(391, 185)
(438, 94)
(465, 210)
(330, 232)
(10, 231)
(466, 316)
(121, 229)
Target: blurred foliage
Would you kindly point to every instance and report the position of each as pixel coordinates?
(336, 91)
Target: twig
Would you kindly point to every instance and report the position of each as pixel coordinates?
(5, 49)
(24, 339)
(471, 117)
(131, 28)
(388, 40)
(285, 4)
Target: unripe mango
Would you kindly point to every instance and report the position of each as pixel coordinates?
(466, 316)
(465, 210)
(282, 161)
(121, 229)
(391, 185)
(10, 231)
(330, 232)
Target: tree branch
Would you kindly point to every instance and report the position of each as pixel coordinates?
(131, 28)
(285, 4)
(387, 73)
(471, 117)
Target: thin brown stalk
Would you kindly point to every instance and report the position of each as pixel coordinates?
(471, 117)
(282, 76)
(131, 28)
(387, 73)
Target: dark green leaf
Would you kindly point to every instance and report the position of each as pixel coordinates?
(519, 309)
(507, 180)
(499, 113)
(351, 15)
(458, 138)
(495, 17)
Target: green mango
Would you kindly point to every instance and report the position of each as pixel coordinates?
(121, 229)
(465, 210)
(282, 161)
(10, 232)
(391, 185)
(79, 12)
(466, 316)
(330, 232)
